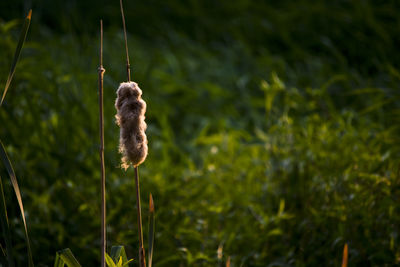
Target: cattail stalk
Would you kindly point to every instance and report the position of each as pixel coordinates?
(142, 258)
(101, 71)
(142, 255)
(130, 118)
(128, 66)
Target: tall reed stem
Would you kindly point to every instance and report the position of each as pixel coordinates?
(128, 66)
(102, 167)
(142, 254)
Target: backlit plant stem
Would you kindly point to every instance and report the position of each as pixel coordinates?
(128, 66)
(142, 258)
(102, 167)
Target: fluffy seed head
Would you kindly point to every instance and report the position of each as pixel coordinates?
(130, 118)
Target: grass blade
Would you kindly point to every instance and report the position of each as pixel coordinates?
(21, 42)
(151, 230)
(65, 256)
(13, 178)
(109, 261)
(118, 261)
(5, 226)
(345, 255)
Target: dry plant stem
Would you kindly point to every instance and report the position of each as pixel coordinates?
(102, 167)
(128, 66)
(142, 256)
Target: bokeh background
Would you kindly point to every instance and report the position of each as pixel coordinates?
(273, 129)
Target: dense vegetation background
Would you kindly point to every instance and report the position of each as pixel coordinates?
(273, 129)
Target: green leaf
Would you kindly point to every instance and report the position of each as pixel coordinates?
(5, 226)
(109, 261)
(118, 255)
(13, 178)
(126, 263)
(17, 53)
(65, 256)
(151, 230)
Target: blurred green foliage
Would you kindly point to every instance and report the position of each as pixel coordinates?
(273, 130)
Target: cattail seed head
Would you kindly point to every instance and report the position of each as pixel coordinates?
(130, 118)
